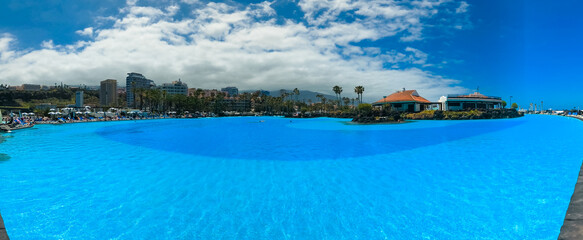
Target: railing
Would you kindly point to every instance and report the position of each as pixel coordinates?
(468, 96)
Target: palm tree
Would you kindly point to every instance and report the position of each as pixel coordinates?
(337, 89)
(164, 100)
(297, 93)
(359, 90)
(323, 99)
(346, 101)
(134, 93)
(141, 94)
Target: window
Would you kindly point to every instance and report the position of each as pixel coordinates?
(397, 105)
(454, 104)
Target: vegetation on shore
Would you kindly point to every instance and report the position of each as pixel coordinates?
(368, 114)
(156, 101)
(287, 104)
(379, 116)
(464, 115)
(61, 96)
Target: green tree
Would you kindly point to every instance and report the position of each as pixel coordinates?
(503, 104)
(323, 101)
(514, 106)
(337, 90)
(365, 107)
(346, 101)
(134, 94)
(359, 90)
(297, 94)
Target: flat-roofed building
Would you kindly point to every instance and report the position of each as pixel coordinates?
(476, 100)
(231, 91)
(175, 88)
(31, 87)
(108, 93)
(237, 104)
(79, 99)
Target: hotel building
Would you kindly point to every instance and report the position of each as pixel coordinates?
(135, 81)
(175, 88)
(108, 92)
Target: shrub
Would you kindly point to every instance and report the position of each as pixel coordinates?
(364, 108)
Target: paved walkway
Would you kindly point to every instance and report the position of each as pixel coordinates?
(3, 234)
(573, 224)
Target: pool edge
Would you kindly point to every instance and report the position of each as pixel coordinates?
(3, 233)
(573, 223)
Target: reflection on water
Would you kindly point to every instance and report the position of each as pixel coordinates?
(305, 140)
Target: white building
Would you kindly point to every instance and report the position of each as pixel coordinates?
(175, 88)
(475, 100)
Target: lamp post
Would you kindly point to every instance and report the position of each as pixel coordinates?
(510, 103)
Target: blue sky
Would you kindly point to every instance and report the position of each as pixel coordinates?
(526, 49)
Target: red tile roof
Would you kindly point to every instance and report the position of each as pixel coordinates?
(473, 95)
(404, 96)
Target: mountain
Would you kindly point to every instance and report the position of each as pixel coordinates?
(304, 96)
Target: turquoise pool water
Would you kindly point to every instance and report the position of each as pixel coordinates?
(276, 178)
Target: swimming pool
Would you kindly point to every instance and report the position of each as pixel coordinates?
(276, 178)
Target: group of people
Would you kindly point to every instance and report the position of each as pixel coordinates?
(12, 123)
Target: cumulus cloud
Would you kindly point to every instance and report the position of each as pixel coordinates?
(86, 32)
(219, 45)
(386, 17)
(190, 1)
(6, 40)
(462, 8)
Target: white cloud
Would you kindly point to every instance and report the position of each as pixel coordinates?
(86, 32)
(386, 17)
(172, 10)
(48, 44)
(190, 1)
(145, 11)
(418, 56)
(462, 8)
(131, 2)
(6, 40)
(221, 45)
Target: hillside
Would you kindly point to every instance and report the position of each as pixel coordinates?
(304, 96)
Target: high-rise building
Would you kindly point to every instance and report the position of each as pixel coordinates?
(232, 91)
(79, 99)
(108, 92)
(134, 82)
(175, 88)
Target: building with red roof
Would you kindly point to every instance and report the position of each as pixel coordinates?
(404, 101)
